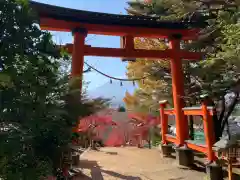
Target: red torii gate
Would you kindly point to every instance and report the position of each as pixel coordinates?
(82, 23)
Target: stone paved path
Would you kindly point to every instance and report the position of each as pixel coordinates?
(132, 163)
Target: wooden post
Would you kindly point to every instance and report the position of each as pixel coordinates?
(178, 90)
(208, 131)
(78, 54)
(230, 176)
(138, 140)
(164, 122)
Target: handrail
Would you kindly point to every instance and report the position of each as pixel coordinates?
(190, 111)
(206, 112)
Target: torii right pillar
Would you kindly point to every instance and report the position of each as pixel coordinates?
(183, 154)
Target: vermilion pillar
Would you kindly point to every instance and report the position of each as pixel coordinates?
(78, 54)
(164, 122)
(178, 89)
(208, 131)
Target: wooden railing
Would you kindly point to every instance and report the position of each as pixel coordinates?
(206, 113)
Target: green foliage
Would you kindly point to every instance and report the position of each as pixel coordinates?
(5, 80)
(219, 41)
(216, 75)
(38, 109)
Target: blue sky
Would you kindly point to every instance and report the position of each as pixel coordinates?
(112, 66)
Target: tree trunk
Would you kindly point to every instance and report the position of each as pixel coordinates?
(191, 127)
(220, 122)
(190, 118)
(150, 138)
(217, 127)
(229, 112)
(223, 109)
(191, 124)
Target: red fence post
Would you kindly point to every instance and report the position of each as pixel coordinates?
(208, 131)
(164, 121)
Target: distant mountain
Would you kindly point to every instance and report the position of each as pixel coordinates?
(114, 91)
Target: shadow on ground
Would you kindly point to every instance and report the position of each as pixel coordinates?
(97, 172)
(112, 153)
(197, 166)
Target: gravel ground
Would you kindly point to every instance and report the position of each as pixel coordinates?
(130, 163)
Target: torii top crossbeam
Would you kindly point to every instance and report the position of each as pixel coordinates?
(64, 19)
(82, 23)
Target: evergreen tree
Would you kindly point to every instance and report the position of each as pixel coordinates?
(37, 111)
(218, 73)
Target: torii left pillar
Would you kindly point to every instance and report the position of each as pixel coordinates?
(80, 35)
(183, 154)
(75, 84)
